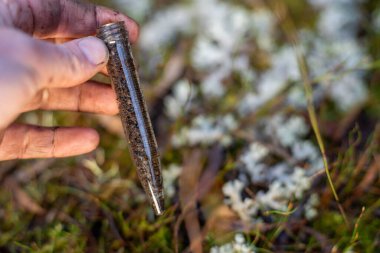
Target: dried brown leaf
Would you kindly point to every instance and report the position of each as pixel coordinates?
(22, 199)
(188, 185)
(172, 72)
(221, 221)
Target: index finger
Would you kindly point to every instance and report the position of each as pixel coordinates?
(62, 18)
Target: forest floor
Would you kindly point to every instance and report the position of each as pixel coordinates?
(267, 117)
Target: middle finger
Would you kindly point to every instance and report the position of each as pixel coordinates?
(92, 97)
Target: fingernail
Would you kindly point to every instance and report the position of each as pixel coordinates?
(94, 49)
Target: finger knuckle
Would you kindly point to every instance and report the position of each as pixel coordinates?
(39, 142)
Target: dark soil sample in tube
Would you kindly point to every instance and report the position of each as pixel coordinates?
(133, 112)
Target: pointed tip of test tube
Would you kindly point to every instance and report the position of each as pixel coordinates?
(156, 201)
(159, 209)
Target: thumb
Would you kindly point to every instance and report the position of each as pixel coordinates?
(71, 63)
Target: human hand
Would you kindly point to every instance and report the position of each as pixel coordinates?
(37, 74)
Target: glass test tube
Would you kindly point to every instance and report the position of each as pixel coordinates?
(133, 112)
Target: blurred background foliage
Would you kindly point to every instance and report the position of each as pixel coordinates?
(252, 102)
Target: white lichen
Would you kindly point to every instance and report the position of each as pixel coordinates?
(286, 182)
(206, 131)
(311, 207)
(350, 91)
(179, 102)
(220, 33)
(238, 245)
(245, 208)
(169, 176)
(287, 131)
